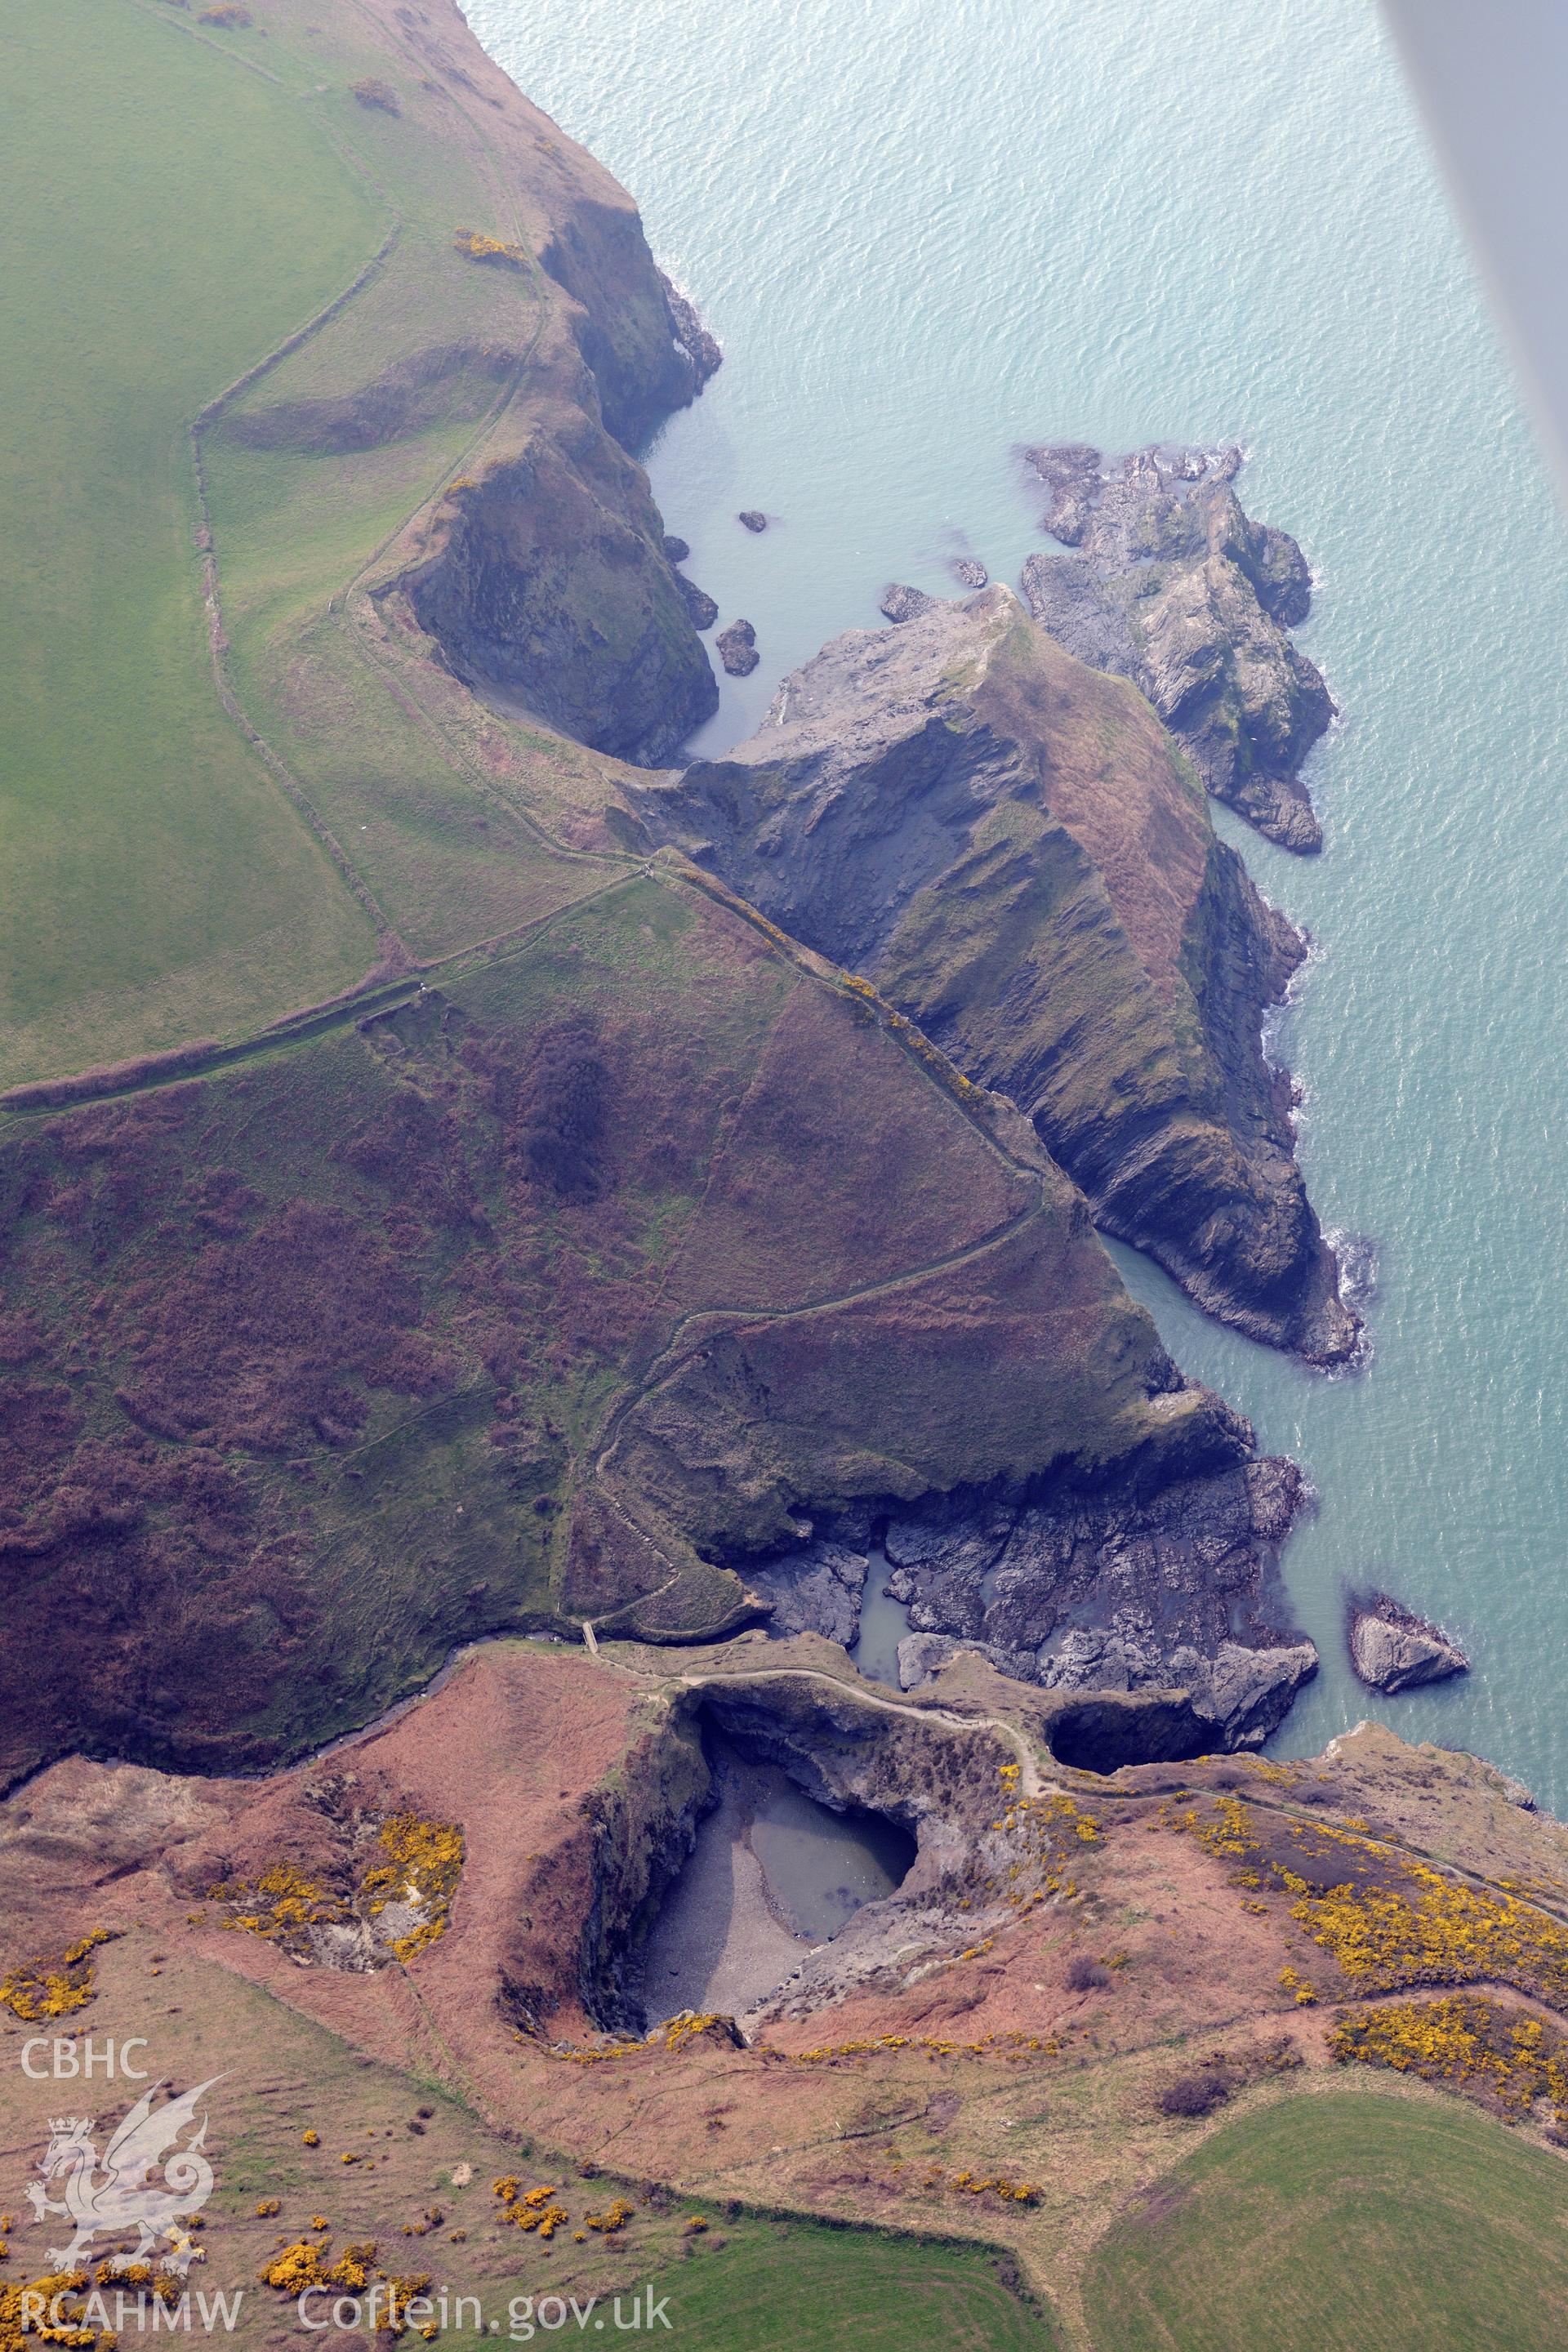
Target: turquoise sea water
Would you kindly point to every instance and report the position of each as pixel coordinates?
(926, 233)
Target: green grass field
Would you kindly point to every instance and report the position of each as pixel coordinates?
(808, 2289)
(1347, 2222)
(156, 883)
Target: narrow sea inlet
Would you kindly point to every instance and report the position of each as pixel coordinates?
(1133, 224)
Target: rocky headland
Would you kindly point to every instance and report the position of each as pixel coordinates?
(1005, 840)
(543, 574)
(1172, 585)
(719, 1162)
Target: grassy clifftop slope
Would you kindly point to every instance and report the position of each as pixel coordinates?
(254, 200)
(155, 883)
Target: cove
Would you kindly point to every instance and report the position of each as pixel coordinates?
(992, 225)
(772, 1874)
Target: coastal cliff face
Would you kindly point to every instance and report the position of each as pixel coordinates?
(1007, 843)
(1165, 1585)
(1173, 586)
(551, 595)
(543, 577)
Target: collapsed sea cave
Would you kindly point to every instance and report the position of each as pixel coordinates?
(768, 1830)
(772, 1874)
(1104, 1730)
(780, 1837)
(766, 1817)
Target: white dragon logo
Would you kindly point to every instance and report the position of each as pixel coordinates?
(138, 2187)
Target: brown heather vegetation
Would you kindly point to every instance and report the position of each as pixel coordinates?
(1193, 2095)
(304, 1363)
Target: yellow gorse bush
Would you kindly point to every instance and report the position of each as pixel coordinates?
(54, 1988)
(474, 244)
(415, 1861)
(1465, 2039)
(1404, 1923)
(20, 2331)
(1438, 1932)
(531, 2208)
(424, 1863)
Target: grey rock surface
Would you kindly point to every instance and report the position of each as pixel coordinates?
(816, 1591)
(1173, 586)
(704, 612)
(1393, 1650)
(738, 649)
(1105, 1590)
(900, 602)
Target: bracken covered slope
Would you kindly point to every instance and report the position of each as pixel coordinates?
(540, 1293)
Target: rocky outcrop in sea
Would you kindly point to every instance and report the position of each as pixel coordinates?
(738, 649)
(900, 602)
(1393, 1649)
(1172, 585)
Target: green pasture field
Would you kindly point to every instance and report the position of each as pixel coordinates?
(805, 2288)
(1345, 2222)
(155, 882)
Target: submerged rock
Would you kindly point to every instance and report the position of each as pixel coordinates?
(903, 603)
(1173, 587)
(754, 518)
(1393, 1649)
(738, 649)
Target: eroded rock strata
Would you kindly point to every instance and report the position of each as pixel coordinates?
(1073, 1589)
(1172, 585)
(1005, 840)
